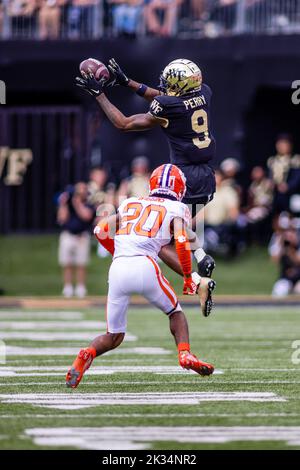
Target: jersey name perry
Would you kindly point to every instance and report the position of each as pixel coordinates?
(145, 225)
(195, 102)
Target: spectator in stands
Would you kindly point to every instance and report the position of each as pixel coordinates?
(21, 13)
(75, 218)
(284, 170)
(101, 195)
(192, 16)
(80, 18)
(221, 216)
(49, 17)
(284, 249)
(222, 17)
(127, 15)
(138, 183)
(153, 13)
(259, 205)
(1, 17)
(230, 168)
(99, 191)
(199, 7)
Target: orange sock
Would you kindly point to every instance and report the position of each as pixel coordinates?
(183, 347)
(92, 350)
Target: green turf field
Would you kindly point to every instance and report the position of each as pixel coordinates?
(137, 397)
(29, 267)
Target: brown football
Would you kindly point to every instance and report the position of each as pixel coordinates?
(96, 67)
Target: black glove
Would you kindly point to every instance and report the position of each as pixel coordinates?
(90, 84)
(119, 76)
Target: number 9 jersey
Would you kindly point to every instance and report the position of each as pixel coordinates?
(186, 123)
(145, 225)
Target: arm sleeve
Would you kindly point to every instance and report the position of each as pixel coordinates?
(182, 244)
(183, 250)
(101, 232)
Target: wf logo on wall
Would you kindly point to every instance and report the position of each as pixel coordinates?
(15, 162)
(2, 92)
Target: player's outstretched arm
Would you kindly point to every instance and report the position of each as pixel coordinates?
(120, 78)
(136, 122)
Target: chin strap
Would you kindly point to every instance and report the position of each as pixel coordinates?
(101, 232)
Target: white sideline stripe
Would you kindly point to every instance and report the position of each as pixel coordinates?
(56, 315)
(24, 351)
(55, 336)
(105, 360)
(150, 415)
(52, 325)
(38, 371)
(147, 382)
(251, 369)
(69, 401)
(139, 437)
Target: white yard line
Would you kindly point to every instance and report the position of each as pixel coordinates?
(69, 401)
(58, 351)
(40, 371)
(97, 415)
(141, 437)
(44, 370)
(55, 315)
(254, 369)
(56, 336)
(52, 325)
(151, 382)
(105, 360)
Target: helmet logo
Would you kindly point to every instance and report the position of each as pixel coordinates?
(175, 73)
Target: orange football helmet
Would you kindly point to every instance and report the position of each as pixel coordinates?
(168, 180)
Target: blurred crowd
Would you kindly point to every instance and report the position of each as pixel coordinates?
(51, 19)
(80, 207)
(262, 208)
(266, 211)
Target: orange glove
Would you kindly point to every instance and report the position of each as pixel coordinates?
(189, 287)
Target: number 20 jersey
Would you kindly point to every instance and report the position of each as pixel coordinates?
(187, 124)
(145, 225)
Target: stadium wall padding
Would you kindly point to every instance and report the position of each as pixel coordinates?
(250, 77)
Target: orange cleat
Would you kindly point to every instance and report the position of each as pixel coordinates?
(190, 361)
(81, 364)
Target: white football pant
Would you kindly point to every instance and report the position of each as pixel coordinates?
(136, 275)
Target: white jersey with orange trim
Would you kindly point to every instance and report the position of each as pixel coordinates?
(145, 225)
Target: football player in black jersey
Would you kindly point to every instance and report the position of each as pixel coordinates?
(181, 107)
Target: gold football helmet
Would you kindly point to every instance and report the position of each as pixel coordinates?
(179, 77)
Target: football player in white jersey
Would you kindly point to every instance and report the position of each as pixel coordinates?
(143, 227)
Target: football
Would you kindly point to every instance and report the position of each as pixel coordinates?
(96, 67)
